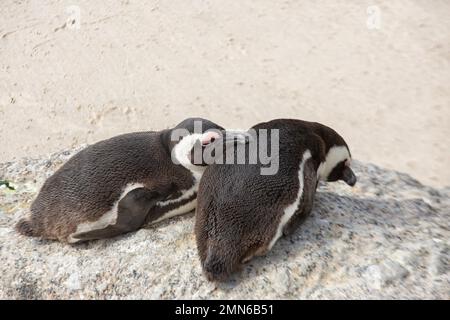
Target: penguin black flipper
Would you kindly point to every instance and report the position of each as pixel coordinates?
(132, 213)
(307, 199)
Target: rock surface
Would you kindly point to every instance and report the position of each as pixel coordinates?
(388, 237)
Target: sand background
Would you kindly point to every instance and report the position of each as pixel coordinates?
(145, 66)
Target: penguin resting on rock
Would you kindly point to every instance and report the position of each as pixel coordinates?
(241, 213)
(117, 185)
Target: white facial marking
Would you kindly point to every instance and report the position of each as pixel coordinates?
(290, 209)
(109, 218)
(335, 155)
(182, 151)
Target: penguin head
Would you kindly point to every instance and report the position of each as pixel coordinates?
(186, 137)
(188, 141)
(337, 162)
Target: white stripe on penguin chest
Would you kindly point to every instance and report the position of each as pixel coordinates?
(292, 208)
(181, 151)
(185, 208)
(110, 217)
(107, 219)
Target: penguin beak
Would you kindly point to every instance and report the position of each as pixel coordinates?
(348, 176)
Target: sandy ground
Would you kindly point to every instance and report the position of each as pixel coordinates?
(134, 66)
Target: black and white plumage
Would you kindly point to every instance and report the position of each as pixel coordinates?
(119, 184)
(241, 213)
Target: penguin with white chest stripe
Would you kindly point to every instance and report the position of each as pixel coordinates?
(242, 213)
(117, 185)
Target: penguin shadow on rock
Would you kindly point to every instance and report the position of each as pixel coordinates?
(118, 185)
(336, 217)
(242, 213)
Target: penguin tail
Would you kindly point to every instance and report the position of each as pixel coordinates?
(215, 268)
(25, 227)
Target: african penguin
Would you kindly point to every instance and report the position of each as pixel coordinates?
(119, 184)
(242, 213)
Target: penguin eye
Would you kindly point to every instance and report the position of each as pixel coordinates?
(205, 143)
(209, 137)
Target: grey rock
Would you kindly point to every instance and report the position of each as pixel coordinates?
(392, 271)
(388, 237)
(73, 282)
(440, 258)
